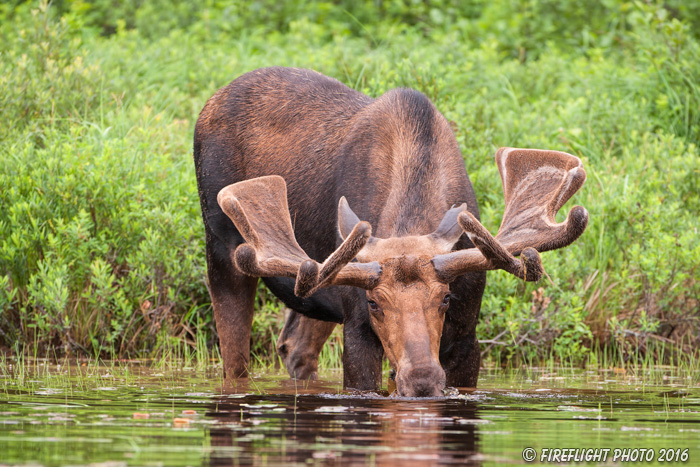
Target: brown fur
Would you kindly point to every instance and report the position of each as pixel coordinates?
(300, 344)
(408, 319)
(397, 162)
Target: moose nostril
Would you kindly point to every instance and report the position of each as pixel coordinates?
(427, 381)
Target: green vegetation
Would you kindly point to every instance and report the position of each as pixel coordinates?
(101, 241)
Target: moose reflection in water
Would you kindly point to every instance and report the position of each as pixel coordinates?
(288, 429)
(96, 416)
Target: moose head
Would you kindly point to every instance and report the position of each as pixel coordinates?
(407, 279)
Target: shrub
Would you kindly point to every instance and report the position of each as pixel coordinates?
(101, 240)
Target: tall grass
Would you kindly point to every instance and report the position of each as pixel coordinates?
(101, 241)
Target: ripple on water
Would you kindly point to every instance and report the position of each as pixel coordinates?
(187, 419)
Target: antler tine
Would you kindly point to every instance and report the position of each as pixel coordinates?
(345, 253)
(490, 254)
(529, 267)
(259, 210)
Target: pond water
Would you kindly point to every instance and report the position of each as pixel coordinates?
(131, 414)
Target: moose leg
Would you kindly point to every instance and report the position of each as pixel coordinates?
(362, 354)
(232, 296)
(300, 343)
(460, 355)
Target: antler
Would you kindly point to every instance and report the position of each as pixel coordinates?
(536, 185)
(259, 210)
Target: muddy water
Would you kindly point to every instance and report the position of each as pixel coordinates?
(133, 415)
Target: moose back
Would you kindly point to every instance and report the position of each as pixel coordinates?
(359, 211)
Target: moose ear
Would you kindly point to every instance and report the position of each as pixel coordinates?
(347, 219)
(449, 230)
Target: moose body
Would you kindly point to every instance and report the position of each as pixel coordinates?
(414, 291)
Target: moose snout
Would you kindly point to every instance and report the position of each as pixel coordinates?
(421, 381)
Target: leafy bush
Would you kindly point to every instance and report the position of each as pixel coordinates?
(101, 240)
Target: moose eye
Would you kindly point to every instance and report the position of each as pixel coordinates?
(373, 305)
(446, 300)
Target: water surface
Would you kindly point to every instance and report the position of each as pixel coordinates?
(130, 414)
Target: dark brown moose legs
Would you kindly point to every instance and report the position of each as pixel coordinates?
(362, 355)
(460, 355)
(300, 344)
(232, 294)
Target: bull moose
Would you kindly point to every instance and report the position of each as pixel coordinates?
(282, 154)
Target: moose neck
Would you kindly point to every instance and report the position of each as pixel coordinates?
(420, 160)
